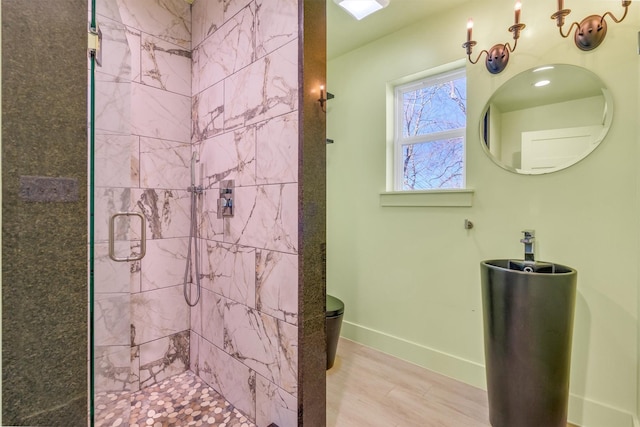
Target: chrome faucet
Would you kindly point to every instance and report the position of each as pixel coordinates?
(529, 237)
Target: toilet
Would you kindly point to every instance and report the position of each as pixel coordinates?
(334, 313)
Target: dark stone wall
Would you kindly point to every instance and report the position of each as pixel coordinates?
(312, 217)
(44, 243)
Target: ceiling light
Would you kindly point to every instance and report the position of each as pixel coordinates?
(361, 8)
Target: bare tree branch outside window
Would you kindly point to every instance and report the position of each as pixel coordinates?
(437, 161)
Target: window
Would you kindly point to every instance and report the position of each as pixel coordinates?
(430, 126)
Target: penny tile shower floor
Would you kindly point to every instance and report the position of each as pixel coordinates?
(182, 400)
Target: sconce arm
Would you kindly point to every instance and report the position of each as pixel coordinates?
(508, 46)
(576, 24)
(479, 56)
(626, 9)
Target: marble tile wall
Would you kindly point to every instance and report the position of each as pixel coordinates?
(143, 149)
(245, 128)
(221, 79)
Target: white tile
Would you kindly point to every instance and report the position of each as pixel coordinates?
(229, 377)
(231, 155)
(111, 319)
(112, 104)
(164, 164)
(112, 370)
(168, 19)
(206, 17)
(208, 110)
(212, 318)
(277, 150)
(164, 263)
(274, 405)
(265, 217)
(158, 313)
(276, 24)
(265, 89)
(229, 49)
(277, 285)
(167, 212)
(160, 114)
(263, 343)
(164, 358)
(230, 271)
(165, 66)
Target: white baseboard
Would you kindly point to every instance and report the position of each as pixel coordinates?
(446, 364)
(582, 411)
(588, 413)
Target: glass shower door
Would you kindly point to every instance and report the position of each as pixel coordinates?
(115, 232)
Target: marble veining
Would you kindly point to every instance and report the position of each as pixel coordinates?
(231, 155)
(112, 370)
(277, 150)
(207, 17)
(230, 270)
(164, 163)
(276, 280)
(231, 378)
(167, 19)
(164, 263)
(158, 313)
(163, 358)
(167, 212)
(111, 319)
(208, 113)
(276, 24)
(265, 344)
(265, 89)
(229, 49)
(165, 66)
(274, 405)
(265, 217)
(160, 114)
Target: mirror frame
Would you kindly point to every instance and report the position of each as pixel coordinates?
(607, 120)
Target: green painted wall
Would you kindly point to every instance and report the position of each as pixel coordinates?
(409, 276)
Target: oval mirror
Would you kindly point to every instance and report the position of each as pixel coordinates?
(546, 119)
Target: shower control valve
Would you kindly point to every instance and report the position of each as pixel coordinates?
(225, 201)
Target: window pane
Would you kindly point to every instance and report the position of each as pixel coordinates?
(436, 164)
(435, 108)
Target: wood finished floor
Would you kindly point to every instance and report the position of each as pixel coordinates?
(369, 388)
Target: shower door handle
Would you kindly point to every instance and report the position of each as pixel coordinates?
(112, 239)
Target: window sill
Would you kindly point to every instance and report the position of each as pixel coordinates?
(435, 198)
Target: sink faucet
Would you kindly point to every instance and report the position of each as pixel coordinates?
(529, 237)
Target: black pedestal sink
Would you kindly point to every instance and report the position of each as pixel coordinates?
(528, 312)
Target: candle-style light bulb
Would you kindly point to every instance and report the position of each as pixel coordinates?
(469, 29)
(518, 8)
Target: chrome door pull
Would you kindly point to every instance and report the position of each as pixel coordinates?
(143, 237)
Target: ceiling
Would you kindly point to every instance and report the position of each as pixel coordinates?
(345, 33)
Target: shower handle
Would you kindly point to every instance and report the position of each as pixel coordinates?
(143, 237)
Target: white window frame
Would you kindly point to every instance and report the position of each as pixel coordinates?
(399, 140)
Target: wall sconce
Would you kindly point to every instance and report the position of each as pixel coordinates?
(324, 99)
(591, 30)
(498, 55)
